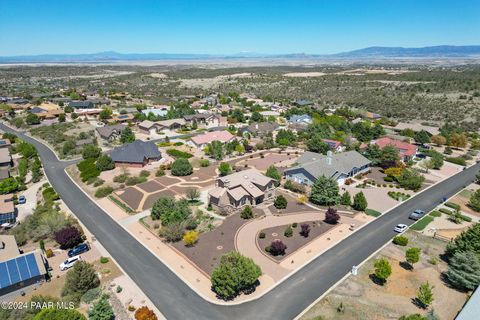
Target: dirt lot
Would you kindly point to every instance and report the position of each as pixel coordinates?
(363, 299)
(280, 160)
(213, 244)
(294, 242)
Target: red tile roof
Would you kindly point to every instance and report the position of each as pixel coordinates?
(404, 148)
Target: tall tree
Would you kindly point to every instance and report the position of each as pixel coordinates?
(464, 270)
(359, 202)
(101, 310)
(127, 135)
(325, 192)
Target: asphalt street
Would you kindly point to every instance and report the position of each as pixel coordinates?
(177, 301)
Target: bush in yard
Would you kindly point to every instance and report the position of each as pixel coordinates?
(204, 163)
(91, 151)
(276, 248)
(127, 135)
(474, 201)
(160, 173)
(169, 211)
(411, 180)
(464, 270)
(412, 256)
(468, 240)
(8, 185)
(294, 186)
(272, 172)
(305, 230)
(415, 316)
(103, 192)
(383, 270)
(247, 213)
(288, 232)
(81, 278)
(359, 202)
(88, 169)
(144, 313)
(261, 235)
(346, 199)
(175, 153)
(325, 192)
(425, 294)
(192, 194)
(234, 274)
(224, 168)
(331, 216)
(181, 167)
(68, 237)
(280, 202)
(101, 310)
(190, 238)
(173, 232)
(32, 119)
(400, 241)
(59, 314)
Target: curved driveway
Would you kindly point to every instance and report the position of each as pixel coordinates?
(177, 301)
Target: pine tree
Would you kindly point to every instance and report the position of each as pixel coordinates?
(325, 192)
(464, 270)
(360, 202)
(346, 199)
(101, 310)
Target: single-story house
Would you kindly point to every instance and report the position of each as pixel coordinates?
(149, 127)
(203, 119)
(122, 118)
(160, 111)
(19, 270)
(202, 140)
(5, 157)
(234, 191)
(136, 154)
(8, 213)
(47, 111)
(110, 133)
(82, 104)
(338, 166)
(406, 150)
(171, 124)
(334, 145)
(259, 129)
(303, 119)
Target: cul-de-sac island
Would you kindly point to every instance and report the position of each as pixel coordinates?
(240, 186)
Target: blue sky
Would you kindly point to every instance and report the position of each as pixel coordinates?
(226, 27)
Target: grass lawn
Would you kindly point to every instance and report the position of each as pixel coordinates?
(421, 224)
(465, 193)
(373, 213)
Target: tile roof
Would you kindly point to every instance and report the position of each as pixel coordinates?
(222, 136)
(404, 148)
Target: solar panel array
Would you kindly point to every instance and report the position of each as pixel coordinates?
(17, 270)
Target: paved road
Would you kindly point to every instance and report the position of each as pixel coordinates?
(177, 301)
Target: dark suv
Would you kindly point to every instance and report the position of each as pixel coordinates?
(417, 214)
(81, 248)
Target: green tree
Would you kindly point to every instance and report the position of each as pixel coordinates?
(410, 179)
(468, 240)
(346, 199)
(280, 202)
(437, 159)
(91, 151)
(414, 316)
(127, 135)
(240, 149)
(286, 138)
(474, 201)
(464, 270)
(412, 256)
(256, 117)
(181, 167)
(237, 114)
(383, 270)
(234, 274)
(272, 172)
(359, 202)
(61, 117)
(373, 153)
(105, 163)
(316, 144)
(170, 211)
(105, 114)
(32, 119)
(101, 310)
(81, 278)
(389, 156)
(325, 192)
(425, 294)
(247, 213)
(215, 150)
(59, 314)
(192, 194)
(8, 185)
(422, 137)
(224, 168)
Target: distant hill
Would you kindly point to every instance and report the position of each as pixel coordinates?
(366, 53)
(425, 52)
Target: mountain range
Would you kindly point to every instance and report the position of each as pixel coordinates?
(444, 51)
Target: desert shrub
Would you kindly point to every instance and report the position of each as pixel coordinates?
(175, 153)
(144, 313)
(190, 238)
(247, 213)
(121, 178)
(88, 169)
(305, 230)
(103, 192)
(276, 248)
(144, 173)
(288, 232)
(204, 163)
(181, 167)
(81, 278)
(294, 186)
(160, 172)
(261, 235)
(400, 241)
(456, 160)
(331, 216)
(105, 163)
(173, 232)
(103, 260)
(280, 202)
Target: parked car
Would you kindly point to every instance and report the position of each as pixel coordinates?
(22, 200)
(81, 248)
(400, 228)
(67, 264)
(417, 214)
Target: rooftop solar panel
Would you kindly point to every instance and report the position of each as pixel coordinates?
(4, 276)
(23, 268)
(32, 265)
(13, 271)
